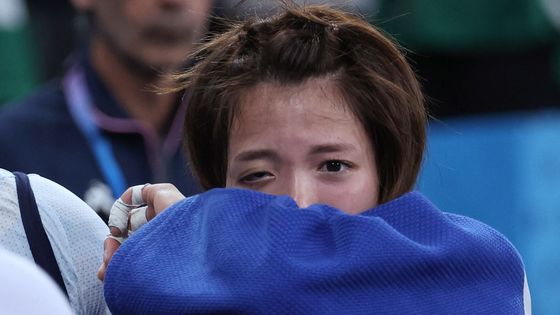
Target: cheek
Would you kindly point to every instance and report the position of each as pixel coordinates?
(198, 10)
(353, 196)
(134, 12)
(116, 25)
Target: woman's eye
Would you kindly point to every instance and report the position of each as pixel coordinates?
(334, 166)
(256, 177)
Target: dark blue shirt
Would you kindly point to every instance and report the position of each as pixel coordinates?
(39, 135)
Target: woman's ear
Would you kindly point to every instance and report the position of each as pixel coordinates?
(82, 5)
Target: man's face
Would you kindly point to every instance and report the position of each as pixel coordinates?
(152, 34)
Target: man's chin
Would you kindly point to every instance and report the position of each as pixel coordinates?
(166, 58)
(152, 67)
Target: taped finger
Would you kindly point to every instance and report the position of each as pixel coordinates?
(137, 198)
(138, 218)
(117, 238)
(118, 216)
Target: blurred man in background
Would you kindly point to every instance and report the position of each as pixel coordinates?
(102, 128)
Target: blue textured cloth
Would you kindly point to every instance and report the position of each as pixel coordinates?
(240, 251)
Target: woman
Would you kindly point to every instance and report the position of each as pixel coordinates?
(318, 105)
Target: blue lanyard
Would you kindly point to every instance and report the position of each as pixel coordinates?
(80, 107)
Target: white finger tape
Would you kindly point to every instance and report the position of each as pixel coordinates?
(117, 238)
(119, 215)
(138, 218)
(137, 199)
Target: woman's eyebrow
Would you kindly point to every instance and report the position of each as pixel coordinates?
(331, 148)
(251, 155)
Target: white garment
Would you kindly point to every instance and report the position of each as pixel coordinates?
(27, 289)
(74, 230)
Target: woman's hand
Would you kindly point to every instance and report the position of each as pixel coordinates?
(146, 201)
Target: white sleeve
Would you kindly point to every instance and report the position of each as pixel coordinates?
(526, 297)
(26, 289)
(75, 231)
(76, 234)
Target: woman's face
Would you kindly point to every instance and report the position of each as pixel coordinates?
(302, 141)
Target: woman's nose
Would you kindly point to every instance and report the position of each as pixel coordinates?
(303, 191)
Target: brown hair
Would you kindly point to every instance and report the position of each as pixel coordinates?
(297, 44)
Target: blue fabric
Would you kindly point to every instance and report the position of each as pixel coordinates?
(240, 251)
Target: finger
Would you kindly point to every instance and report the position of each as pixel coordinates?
(101, 272)
(116, 232)
(127, 195)
(110, 246)
(137, 195)
(138, 218)
(159, 197)
(118, 216)
(150, 213)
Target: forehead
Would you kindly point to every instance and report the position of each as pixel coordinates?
(315, 99)
(293, 116)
